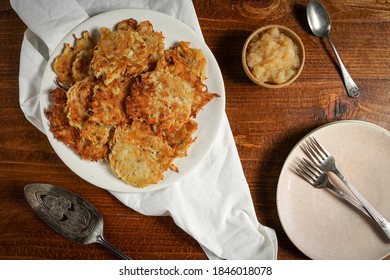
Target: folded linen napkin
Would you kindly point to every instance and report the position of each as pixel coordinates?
(213, 203)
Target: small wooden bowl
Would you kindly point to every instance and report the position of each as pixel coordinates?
(301, 54)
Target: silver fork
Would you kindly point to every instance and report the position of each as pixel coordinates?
(326, 162)
(318, 179)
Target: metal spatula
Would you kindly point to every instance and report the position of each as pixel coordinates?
(69, 215)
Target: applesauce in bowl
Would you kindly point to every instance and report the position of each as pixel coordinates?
(273, 56)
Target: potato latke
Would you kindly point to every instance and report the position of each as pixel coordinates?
(126, 100)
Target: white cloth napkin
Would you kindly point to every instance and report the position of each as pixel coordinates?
(212, 204)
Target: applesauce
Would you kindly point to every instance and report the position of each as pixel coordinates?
(272, 57)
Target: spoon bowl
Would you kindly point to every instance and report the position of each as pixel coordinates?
(318, 19)
(319, 22)
(69, 215)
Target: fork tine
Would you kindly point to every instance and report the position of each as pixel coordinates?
(312, 168)
(312, 144)
(320, 147)
(310, 172)
(308, 150)
(304, 174)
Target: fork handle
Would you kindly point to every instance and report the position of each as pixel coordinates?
(349, 199)
(382, 222)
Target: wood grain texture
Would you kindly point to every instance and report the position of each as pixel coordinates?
(266, 124)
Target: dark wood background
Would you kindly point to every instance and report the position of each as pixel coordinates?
(266, 124)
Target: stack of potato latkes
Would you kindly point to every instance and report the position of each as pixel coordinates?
(128, 101)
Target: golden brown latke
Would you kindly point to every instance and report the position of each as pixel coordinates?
(127, 101)
(172, 93)
(161, 99)
(73, 64)
(127, 51)
(78, 101)
(118, 53)
(59, 123)
(190, 65)
(139, 156)
(90, 151)
(182, 139)
(69, 135)
(154, 41)
(107, 105)
(193, 60)
(126, 24)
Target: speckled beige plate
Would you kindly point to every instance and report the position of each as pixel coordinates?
(317, 222)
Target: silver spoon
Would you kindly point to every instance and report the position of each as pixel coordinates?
(319, 23)
(69, 215)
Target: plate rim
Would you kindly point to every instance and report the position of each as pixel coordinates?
(118, 14)
(284, 167)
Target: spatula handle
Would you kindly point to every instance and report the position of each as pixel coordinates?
(100, 239)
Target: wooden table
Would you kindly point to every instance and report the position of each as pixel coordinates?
(266, 125)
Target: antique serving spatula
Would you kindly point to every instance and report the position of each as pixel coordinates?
(69, 215)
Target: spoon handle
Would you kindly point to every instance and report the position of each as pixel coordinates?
(352, 89)
(100, 239)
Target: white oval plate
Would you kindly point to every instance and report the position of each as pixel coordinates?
(321, 225)
(209, 119)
